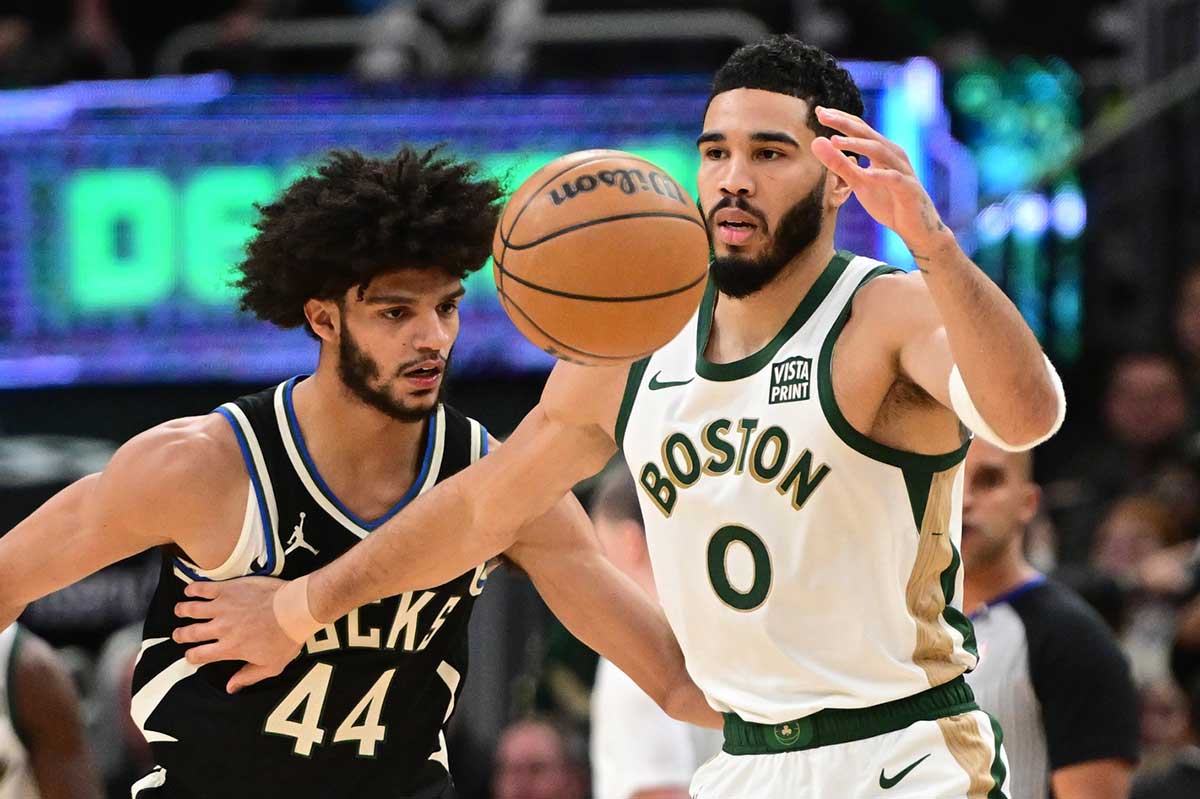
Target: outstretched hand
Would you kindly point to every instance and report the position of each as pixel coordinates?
(237, 622)
(888, 187)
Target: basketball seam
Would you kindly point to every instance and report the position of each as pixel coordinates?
(563, 344)
(594, 298)
(598, 221)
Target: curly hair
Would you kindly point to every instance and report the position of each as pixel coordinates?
(785, 65)
(358, 218)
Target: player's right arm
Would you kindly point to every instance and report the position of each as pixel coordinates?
(175, 483)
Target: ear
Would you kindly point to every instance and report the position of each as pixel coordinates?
(324, 317)
(1031, 500)
(837, 190)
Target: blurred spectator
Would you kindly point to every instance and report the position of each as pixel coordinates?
(49, 42)
(1045, 656)
(1137, 545)
(661, 758)
(1164, 719)
(540, 759)
(1145, 409)
(1181, 778)
(1187, 329)
(123, 754)
(42, 747)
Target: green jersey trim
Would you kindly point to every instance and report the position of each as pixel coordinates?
(14, 717)
(953, 616)
(632, 383)
(736, 370)
(999, 772)
(845, 431)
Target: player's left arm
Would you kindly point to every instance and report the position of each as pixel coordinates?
(48, 718)
(606, 610)
(955, 314)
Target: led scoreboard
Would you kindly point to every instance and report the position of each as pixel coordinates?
(125, 206)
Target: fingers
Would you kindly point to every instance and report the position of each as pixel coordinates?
(208, 653)
(196, 633)
(837, 162)
(203, 589)
(195, 610)
(248, 675)
(880, 153)
(846, 123)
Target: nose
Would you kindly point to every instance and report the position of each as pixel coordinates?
(433, 333)
(735, 178)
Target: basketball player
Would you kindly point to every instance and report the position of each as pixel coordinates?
(798, 448)
(43, 752)
(369, 256)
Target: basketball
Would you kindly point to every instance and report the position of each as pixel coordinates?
(600, 257)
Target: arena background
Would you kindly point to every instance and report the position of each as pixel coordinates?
(1057, 139)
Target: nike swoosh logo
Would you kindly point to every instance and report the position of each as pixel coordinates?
(655, 384)
(890, 782)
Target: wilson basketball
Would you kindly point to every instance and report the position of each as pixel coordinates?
(600, 257)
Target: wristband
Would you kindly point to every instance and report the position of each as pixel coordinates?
(290, 605)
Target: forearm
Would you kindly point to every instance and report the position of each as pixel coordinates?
(997, 354)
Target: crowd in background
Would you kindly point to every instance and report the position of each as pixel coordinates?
(1120, 520)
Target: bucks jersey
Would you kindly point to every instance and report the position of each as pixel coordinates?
(16, 776)
(801, 564)
(361, 710)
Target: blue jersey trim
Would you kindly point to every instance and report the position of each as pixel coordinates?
(183, 567)
(1020, 590)
(269, 566)
(298, 437)
(484, 433)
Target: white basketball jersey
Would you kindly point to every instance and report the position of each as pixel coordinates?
(801, 564)
(16, 778)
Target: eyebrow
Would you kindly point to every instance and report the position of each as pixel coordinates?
(408, 299)
(761, 136)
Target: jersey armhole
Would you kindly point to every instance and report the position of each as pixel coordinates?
(633, 382)
(859, 442)
(231, 413)
(479, 440)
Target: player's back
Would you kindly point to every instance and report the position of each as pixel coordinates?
(802, 565)
(361, 711)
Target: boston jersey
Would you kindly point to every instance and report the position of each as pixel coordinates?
(16, 776)
(361, 710)
(801, 564)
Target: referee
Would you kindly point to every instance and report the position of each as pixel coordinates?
(1049, 668)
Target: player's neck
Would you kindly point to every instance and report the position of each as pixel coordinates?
(742, 327)
(985, 583)
(355, 445)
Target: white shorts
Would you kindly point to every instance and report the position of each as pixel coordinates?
(957, 757)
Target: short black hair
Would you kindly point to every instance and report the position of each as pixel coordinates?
(785, 65)
(358, 218)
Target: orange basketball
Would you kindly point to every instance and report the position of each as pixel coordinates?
(600, 257)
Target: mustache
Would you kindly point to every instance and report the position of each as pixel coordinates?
(740, 204)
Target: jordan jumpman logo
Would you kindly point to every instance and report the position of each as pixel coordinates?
(297, 540)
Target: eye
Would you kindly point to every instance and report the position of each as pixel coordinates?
(394, 313)
(714, 153)
(448, 308)
(768, 155)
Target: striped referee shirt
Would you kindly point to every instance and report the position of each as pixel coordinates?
(1053, 676)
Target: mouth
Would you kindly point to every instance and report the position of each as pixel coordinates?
(735, 234)
(424, 375)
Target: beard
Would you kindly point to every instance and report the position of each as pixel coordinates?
(359, 373)
(739, 276)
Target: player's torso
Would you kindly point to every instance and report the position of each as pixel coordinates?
(16, 777)
(361, 710)
(801, 565)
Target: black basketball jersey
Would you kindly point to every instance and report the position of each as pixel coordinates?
(361, 711)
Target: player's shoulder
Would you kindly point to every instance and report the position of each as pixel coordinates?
(587, 396)
(193, 446)
(891, 294)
